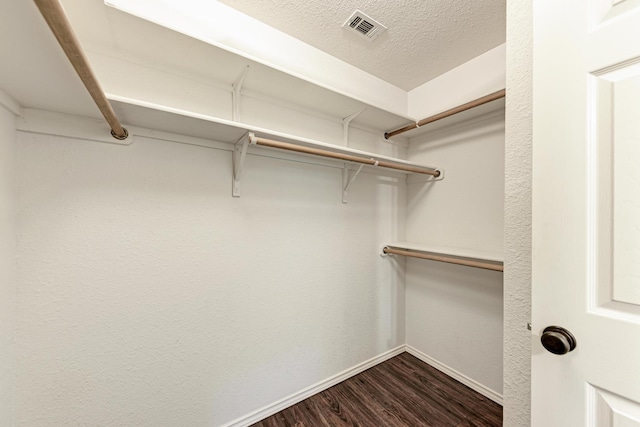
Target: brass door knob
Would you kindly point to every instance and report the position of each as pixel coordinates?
(558, 340)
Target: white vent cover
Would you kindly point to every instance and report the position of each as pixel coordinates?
(364, 25)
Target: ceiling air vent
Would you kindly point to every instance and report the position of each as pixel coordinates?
(364, 26)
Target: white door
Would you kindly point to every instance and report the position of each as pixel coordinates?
(586, 212)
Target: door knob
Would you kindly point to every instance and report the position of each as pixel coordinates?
(558, 340)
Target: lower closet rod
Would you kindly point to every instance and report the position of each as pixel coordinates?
(53, 13)
(348, 157)
(441, 258)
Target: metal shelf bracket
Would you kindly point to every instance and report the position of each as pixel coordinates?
(235, 95)
(345, 125)
(383, 254)
(238, 158)
(348, 180)
(420, 180)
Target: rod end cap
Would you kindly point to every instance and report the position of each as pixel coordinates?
(120, 137)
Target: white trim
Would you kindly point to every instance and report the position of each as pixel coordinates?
(67, 125)
(281, 404)
(472, 384)
(9, 103)
(96, 130)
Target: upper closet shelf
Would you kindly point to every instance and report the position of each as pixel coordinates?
(162, 118)
(144, 114)
(472, 258)
(178, 62)
(141, 111)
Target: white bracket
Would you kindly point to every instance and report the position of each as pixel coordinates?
(235, 95)
(238, 157)
(416, 178)
(347, 181)
(383, 254)
(345, 125)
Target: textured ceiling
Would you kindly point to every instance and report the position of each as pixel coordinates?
(424, 38)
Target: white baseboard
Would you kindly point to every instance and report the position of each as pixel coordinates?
(472, 384)
(299, 396)
(278, 406)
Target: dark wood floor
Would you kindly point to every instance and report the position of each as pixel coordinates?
(402, 391)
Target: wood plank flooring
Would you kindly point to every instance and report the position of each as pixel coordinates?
(401, 392)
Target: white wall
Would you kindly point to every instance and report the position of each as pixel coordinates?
(475, 78)
(454, 313)
(7, 263)
(149, 296)
(517, 278)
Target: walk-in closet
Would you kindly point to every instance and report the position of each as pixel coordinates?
(234, 213)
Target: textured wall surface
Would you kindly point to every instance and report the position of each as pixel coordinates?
(149, 296)
(517, 276)
(454, 313)
(7, 266)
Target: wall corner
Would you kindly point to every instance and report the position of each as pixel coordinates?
(518, 162)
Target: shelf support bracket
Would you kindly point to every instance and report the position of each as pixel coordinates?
(238, 157)
(345, 125)
(348, 180)
(235, 95)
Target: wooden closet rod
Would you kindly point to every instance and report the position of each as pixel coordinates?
(348, 157)
(53, 13)
(442, 258)
(464, 107)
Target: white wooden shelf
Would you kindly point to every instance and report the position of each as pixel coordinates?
(473, 258)
(171, 85)
(146, 60)
(153, 116)
(162, 118)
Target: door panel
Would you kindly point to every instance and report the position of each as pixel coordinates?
(603, 11)
(586, 211)
(626, 188)
(610, 410)
(615, 166)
